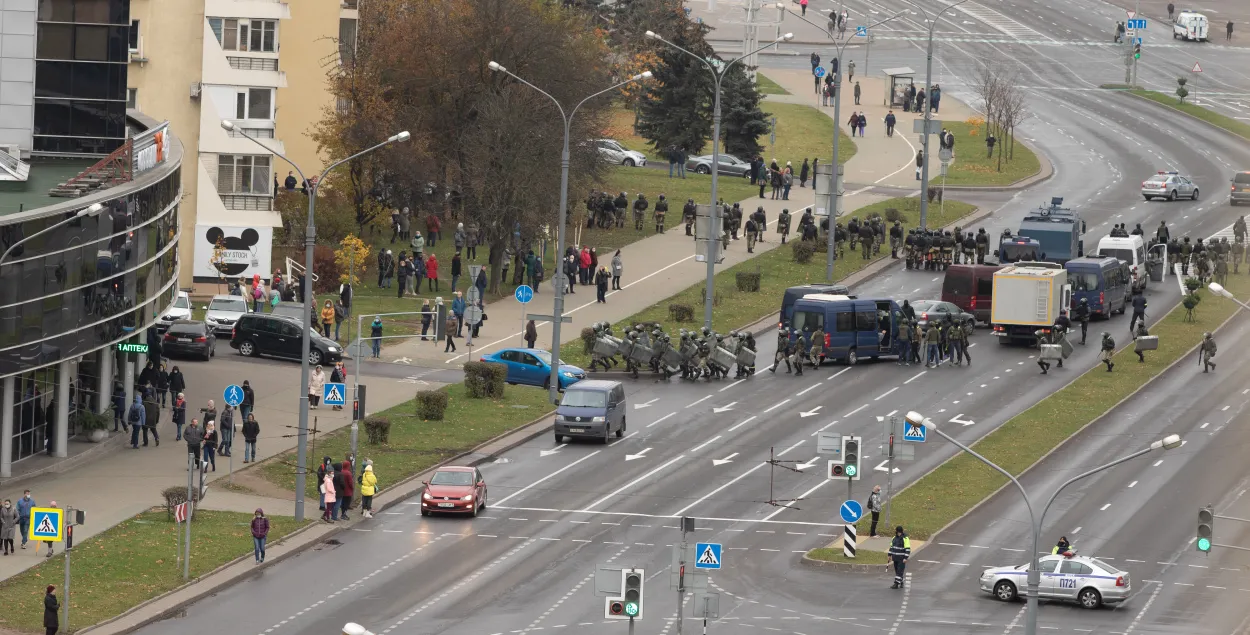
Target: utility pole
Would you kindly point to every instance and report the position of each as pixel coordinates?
(681, 572)
(69, 546)
(889, 470)
(186, 543)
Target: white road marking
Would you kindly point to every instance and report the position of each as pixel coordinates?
(809, 389)
(777, 405)
(731, 385)
(683, 510)
(914, 377)
(704, 444)
(508, 497)
(1104, 507)
(854, 411)
(801, 442)
(699, 401)
(1132, 484)
(1157, 463)
(661, 419)
(741, 423)
(800, 497)
(886, 393)
(633, 483)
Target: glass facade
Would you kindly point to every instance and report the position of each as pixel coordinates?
(81, 54)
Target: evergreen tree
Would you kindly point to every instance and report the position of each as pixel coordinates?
(676, 111)
(742, 120)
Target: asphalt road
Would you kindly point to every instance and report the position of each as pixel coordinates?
(556, 512)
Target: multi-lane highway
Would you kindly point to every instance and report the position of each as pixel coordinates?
(699, 448)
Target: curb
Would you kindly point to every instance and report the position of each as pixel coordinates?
(1045, 170)
(501, 443)
(1178, 111)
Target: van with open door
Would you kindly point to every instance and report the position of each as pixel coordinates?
(853, 329)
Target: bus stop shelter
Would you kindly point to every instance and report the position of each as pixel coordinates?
(898, 81)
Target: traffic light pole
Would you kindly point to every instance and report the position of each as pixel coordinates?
(631, 621)
(681, 577)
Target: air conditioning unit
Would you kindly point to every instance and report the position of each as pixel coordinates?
(196, 87)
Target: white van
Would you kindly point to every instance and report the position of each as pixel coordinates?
(1131, 250)
(1190, 26)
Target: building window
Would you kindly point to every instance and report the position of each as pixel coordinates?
(347, 41)
(242, 34)
(132, 97)
(243, 174)
(134, 36)
(254, 103)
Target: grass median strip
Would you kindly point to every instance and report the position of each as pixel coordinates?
(953, 488)
(971, 165)
(128, 564)
(834, 554)
(1210, 116)
(768, 86)
(778, 270)
(416, 445)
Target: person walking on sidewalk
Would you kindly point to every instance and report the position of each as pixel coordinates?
(853, 122)
(804, 172)
(601, 285)
(900, 551)
(774, 179)
(618, 268)
(119, 408)
(857, 90)
(761, 177)
(327, 491)
(787, 181)
(427, 319)
(8, 526)
(327, 318)
(51, 611)
(210, 444)
(260, 531)
(316, 384)
(919, 162)
(890, 121)
(194, 436)
(227, 431)
(24, 504)
(431, 272)
(456, 269)
(375, 332)
(803, 11)
(134, 417)
(162, 385)
(369, 487)
(449, 331)
(251, 431)
(347, 491)
(531, 334)
(151, 417)
(863, 124)
(874, 506)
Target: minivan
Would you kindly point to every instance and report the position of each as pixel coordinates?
(793, 294)
(1132, 251)
(593, 408)
(1103, 281)
(266, 334)
(971, 288)
(1190, 25)
(852, 327)
(1240, 191)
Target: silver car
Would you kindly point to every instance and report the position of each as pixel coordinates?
(613, 152)
(729, 164)
(180, 310)
(223, 311)
(1169, 185)
(1088, 581)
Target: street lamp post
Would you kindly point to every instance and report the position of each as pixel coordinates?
(558, 310)
(310, 236)
(91, 210)
(717, 76)
(836, 196)
(1170, 442)
(1219, 289)
(928, 85)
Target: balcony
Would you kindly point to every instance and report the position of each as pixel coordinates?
(252, 63)
(247, 202)
(255, 133)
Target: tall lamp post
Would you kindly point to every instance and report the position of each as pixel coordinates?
(1170, 442)
(557, 315)
(310, 236)
(1218, 289)
(92, 210)
(928, 85)
(837, 119)
(717, 76)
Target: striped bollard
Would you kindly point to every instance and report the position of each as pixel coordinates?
(848, 540)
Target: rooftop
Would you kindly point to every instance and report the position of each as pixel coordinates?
(45, 174)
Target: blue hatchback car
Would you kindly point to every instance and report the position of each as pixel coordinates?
(532, 367)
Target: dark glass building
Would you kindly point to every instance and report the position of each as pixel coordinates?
(81, 55)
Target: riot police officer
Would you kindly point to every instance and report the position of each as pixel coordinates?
(896, 239)
(783, 349)
(983, 245)
(688, 214)
(1206, 352)
(1082, 316)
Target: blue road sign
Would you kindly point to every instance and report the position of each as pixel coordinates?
(523, 294)
(819, 71)
(915, 432)
(47, 524)
(233, 395)
(1137, 41)
(707, 555)
(861, 31)
(1136, 23)
(851, 511)
(334, 394)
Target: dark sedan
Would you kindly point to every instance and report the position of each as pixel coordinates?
(729, 164)
(936, 310)
(190, 337)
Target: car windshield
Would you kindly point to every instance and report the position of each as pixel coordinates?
(1157, 179)
(1015, 252)
(1123, 254)
(1083, 281)
(452, 478)
(923, 305)
(584, 399)
(1242, 177)
(544, 356)
(228, 304)
(186, 329)
(183, 302)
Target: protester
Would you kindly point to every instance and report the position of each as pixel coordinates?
(23, 515)
(51, 611)
(210, 444)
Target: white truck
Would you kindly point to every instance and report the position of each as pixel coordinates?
(1028, 296)
(1190, 26)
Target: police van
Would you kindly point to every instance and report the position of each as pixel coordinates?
(1190, 26)
(793, 294)
(853, 328)
(1132, 250)
(1102, 281)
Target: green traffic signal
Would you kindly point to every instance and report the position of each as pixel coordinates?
(1206, 528)
(1204, 544)
(850, 470)
(1137, 55)
(631, 609)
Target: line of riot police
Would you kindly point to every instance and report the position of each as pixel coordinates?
(695, 354)
(935, 250)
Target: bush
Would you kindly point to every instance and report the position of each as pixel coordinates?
(681, 312)
(1190, 302)
(175, 496)
(379, 428)
(892, 215)
(326, 268)
(588, 340)
(803, 251)
(86, 420)
(1192, 284)
(485, 379)
(748, 280)
(431, 404)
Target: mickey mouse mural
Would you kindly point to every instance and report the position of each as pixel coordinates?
(246, 251)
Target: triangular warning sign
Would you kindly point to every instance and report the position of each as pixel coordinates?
(1197, 68)
(709, 557)
(1132, 14)
(333, 394)
(45, 527)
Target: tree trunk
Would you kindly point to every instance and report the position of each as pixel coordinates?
(495, 259)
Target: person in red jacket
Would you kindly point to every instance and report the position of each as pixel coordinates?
(349, 489)
(583, 266)
(431, 271)
(432, 227)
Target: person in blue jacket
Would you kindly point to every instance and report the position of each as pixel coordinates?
(457, 309)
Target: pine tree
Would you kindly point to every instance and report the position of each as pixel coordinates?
(742, 120)
(676, 111)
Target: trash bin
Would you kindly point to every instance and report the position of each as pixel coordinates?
(1155, 268)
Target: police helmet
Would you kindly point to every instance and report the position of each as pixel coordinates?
(1206, 336)
(1084, 300)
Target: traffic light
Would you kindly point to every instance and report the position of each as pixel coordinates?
(837, 468)
(850, 457)
(1136, 51)
(1206, 528)
(633, 593)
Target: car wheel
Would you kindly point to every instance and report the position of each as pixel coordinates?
(425, 512)
(1195, 196)
(559, 438)
(1149, 198)
(851, 357)
(970, 327)
(473, 514)
(604, 440)
(703, 169)
(629, 163)
(247, 349)
(1090, 598)
(1005, 591)
(621, 431)
(314, 357)
(547, 383)
(1172, 195)
(208, 354)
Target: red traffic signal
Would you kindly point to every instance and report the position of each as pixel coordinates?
(617, 607)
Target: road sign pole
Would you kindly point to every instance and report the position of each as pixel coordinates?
(631, 622)
(889, 471)
(69, 546)
(681, 576)
(186, 543)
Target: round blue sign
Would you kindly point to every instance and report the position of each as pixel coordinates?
(233, 395)
(851, 511)
(819, 71)
(524, 294)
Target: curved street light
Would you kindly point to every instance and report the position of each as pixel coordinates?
(92, 210)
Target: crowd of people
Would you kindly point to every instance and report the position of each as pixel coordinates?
(338, 487)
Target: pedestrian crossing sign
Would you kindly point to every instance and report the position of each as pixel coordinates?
(334, 394)
(915, 432)
(46, 524)
(708, 555)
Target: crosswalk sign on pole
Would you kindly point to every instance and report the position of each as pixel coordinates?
(47, 524)
(708, 555)
(915, 432)
(334, 394)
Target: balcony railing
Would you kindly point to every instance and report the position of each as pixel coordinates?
(255, 133)
(247, 202)
(252, 63)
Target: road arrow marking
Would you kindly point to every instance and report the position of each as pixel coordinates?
(883, 468)
(725, 408)
(728, 459)
(403, 360)
(551, 451)
(804, 466)
(810, 412)
(630, 457)
(956, 419)
(639, 406)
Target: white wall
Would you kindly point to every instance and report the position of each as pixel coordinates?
(17, 73)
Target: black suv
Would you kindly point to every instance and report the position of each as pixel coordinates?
(279, 336)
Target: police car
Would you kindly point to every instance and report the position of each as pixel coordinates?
(1066, 577)
(1169, 185)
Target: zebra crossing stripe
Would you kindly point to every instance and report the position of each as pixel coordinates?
(848, 540)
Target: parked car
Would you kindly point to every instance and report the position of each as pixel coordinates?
(224, 310)
(190, 337)
(180, 310)
(613, 152)
(295, 311)
(937, 311)
(454, 489)
(532, 367)
(1065, 577)
(267, 334)
(729, 164)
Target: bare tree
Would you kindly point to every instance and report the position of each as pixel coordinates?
(1015, 111)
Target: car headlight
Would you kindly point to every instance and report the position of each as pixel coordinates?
(467, 498)
(332, 349)
(567, 374)
(598, 419)
(427, 496)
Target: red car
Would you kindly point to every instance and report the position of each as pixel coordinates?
(459, 490)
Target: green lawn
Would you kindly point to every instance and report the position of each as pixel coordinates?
(949, 491)
(779, 270)
(768, 86)
(129, 564)
(1239, 128)
(417, 445)
(972, 167)
(803, 132)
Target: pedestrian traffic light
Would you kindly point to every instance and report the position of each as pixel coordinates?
(632, 592)
(1136, 51)
(850, 457)
(837, 469)
(1206, 528)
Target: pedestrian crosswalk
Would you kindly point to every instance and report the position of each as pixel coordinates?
(990, 17)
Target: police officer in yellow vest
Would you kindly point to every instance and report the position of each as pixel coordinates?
(1062, 546)
(900, 551)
